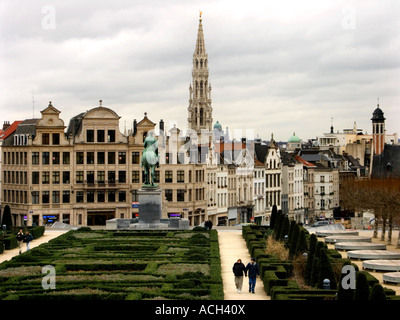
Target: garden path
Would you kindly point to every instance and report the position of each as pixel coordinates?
(233, 247)
(47, 236)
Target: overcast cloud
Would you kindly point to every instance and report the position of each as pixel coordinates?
(275, 66)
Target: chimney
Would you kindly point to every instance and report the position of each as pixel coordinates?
(6, 125)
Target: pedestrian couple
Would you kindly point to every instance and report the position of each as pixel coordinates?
(251, 269)
(26, 238)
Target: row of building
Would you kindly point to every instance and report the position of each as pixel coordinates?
(88, 172)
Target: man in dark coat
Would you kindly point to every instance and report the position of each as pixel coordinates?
(253, 271)
(238, 270)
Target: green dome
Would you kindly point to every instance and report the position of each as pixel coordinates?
(218, 126)
(294, 139)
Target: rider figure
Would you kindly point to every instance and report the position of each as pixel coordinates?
(150, 159)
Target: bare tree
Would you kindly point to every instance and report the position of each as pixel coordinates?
(382, 196)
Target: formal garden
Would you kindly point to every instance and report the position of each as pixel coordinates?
(120, 265)
(294, 265)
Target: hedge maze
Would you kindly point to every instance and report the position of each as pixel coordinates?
(277, 274)
(122, 265)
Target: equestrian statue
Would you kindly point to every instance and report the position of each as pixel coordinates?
(150, 160)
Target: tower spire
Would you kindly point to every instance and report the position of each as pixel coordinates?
(200, 110)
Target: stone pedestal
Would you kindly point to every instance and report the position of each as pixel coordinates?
(150, 209)
(150, 214)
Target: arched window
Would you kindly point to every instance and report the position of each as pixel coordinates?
(201, 116)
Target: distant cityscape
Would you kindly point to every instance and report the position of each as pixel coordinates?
(88, 172)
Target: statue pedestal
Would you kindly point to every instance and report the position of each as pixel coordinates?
(150, 214)
(150, 209)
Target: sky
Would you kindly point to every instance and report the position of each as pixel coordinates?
(276, 67)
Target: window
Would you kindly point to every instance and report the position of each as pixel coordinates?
(45, 177)
(101, 196)
(122, 196)
(180, 176)
(35, 157)
(56, 158)
(45, 138)
(56, 196)
(35, 177)
(111, 158)
(56, 177)
(135, 197)
(121, 176)
(168, 194)
(79, 196)
(168, 176)
(45, 158)
(90, 196)
(111, 177)
(100, 135)
(56, 139)
(135, 157)
(168, 158)
(90, 176)
(79, 177)
(180, 195)
(101, 157)
(111, 196)
(322, 178)
(90, 158)
(135, 176)
(79, 157)
(35, 197)
(101, 177)
(89, 135)
(111, 135)
(65, 196)
(66, 177)
(66, 158)
(121, 158)
(46, 197)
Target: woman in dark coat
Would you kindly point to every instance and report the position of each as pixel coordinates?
(238, 270)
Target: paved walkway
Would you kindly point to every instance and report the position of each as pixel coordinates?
(233, 247)
(47, 236)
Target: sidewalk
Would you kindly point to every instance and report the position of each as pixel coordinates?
(47, 236)
(233, 247)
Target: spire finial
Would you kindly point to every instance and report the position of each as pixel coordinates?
(378, 102)
(200, 14)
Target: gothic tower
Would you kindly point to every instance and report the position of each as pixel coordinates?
(378, 130)
(200, 110)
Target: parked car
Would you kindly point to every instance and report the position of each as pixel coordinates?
(321, 223)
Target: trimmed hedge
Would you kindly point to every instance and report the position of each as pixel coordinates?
(275, 273)
(131, 265)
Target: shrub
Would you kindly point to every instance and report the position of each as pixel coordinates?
(326, 271)
(377, 293)
(310, 258)
(362, 287)
(198, 239)
(37, 232)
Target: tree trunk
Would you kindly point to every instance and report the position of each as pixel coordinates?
(376, 227)
(398, 241)
(383, 228)
(389, 239)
